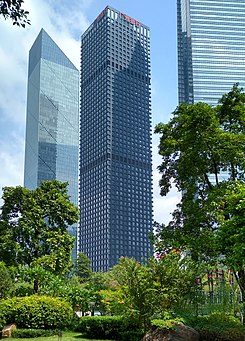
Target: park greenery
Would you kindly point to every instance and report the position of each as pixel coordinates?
(197, 274)
(203, 155)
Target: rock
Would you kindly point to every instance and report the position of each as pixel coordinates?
(181, 333)
(7, 330)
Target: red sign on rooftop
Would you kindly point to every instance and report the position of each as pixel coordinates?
(130, 20)
(124, 16)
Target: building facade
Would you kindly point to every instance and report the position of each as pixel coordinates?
(52, 120)
(211, 48)
(115, 141)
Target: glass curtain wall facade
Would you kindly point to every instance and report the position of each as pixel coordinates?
(52, 121)
(115, 141)
(211, 48)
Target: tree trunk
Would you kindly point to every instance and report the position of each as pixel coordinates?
(35, 286)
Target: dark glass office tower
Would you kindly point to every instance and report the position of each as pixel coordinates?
(115, 140)
(52, 134)
(211, 48)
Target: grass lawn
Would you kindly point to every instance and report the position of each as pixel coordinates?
(67, 336)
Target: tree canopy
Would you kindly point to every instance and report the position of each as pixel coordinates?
(33, 226)
(203, 155)
(201, 142)
(12, 9)
(82, 267)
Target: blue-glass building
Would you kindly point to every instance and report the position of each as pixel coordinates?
(115, 140)
(52, 121)
(211, 48)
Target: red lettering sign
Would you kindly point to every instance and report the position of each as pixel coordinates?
(130, 20)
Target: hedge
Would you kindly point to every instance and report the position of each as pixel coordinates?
(38, 312)
(218, 327)
(31, 333)
(108, 327)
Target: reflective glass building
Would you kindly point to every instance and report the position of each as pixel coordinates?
(211, 48)
(52, 121)
(115, 140)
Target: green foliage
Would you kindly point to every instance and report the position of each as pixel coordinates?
(218, 327)
(104, 327)
(2, 320)
(22, 289)
(149, 290)
(96, 286)
(131, 335)
(33, 226)
(198, 145)
(186, 144)
(82, 267)
(79, 298)
(231, 235)
(32, 333)
(166, 324)
(39, 312)
(136, 290)
(68, 288)
(6, 281)
(11, 9)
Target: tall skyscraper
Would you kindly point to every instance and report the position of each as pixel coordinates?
(115, 140)
(52, 121)
(211, 48)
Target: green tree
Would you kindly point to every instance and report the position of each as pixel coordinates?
(203, 151)
(12, 9)
(82, 267)
(96, 284)
(6, 280)
(229, 205)
(153, 289)
(135, 289)
(198, 146)
(33, 226)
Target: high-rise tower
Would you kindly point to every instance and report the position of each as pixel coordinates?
(52, 134)
(211, 48)
(115, 140)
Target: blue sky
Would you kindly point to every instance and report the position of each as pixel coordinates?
(65, 21)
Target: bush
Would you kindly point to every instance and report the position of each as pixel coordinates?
(107, 327)
(131, 335)
(30, 333)
(22, 289)
(74, 323)
(218, 327)
(2, 320)
(38, 312)
(166, 323)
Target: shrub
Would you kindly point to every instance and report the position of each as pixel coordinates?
(22, 289)
(2, 320)
(131, 335)
(31, 333)
(6, 281)
(106, 327)
(166, 323)
(74, 323)
(218, 327)
(36, 312)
